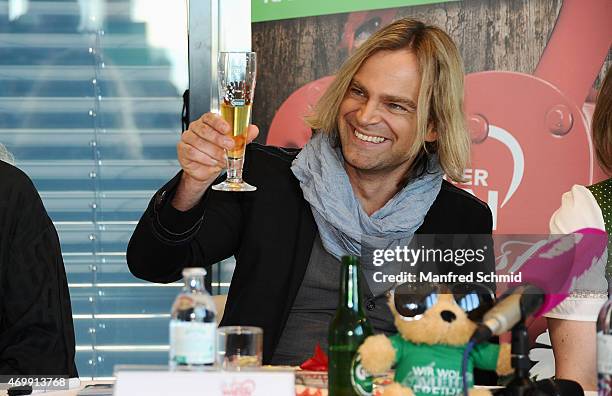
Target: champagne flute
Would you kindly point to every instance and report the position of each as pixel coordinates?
(237, 74)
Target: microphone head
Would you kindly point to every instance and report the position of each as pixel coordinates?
(556, 265)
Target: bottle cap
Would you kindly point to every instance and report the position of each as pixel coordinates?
(194, 271)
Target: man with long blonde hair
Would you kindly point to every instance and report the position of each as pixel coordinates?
(387, 130)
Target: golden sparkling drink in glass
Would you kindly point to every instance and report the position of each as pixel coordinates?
(237, 74)
(238, 117)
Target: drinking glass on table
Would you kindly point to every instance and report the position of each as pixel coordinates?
(239, 347)
(237, 74)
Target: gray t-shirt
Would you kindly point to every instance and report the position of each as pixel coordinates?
(314, 308)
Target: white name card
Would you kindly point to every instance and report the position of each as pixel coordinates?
(213, 383)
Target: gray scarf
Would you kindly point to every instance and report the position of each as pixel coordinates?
(6, 155)
(343, 224)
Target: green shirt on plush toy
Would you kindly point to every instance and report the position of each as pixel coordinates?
(436, 369)
(428, 350)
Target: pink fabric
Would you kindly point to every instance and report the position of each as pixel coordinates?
(556, 265)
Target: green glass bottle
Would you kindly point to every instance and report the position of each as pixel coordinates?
(347, 330)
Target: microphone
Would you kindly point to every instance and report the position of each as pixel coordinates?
(547, 278)
(514, 305)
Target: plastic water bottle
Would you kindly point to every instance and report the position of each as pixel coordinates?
(193, 324)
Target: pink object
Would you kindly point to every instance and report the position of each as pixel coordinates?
(556, 265)
(577, 47)
(531, 138)
(288, 128)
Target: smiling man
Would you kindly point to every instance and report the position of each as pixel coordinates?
(387, 130)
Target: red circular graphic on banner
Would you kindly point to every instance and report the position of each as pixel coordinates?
(537, 146)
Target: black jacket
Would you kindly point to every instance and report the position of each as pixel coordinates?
(36, 330)
(270, 232)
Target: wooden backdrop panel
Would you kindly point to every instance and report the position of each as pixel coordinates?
(491, 35)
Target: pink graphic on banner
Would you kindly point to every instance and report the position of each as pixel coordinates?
(531, 137)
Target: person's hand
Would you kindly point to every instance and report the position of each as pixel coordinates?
(201, 153)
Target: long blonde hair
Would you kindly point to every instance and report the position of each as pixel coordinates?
(440, 100)
(602, 124)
